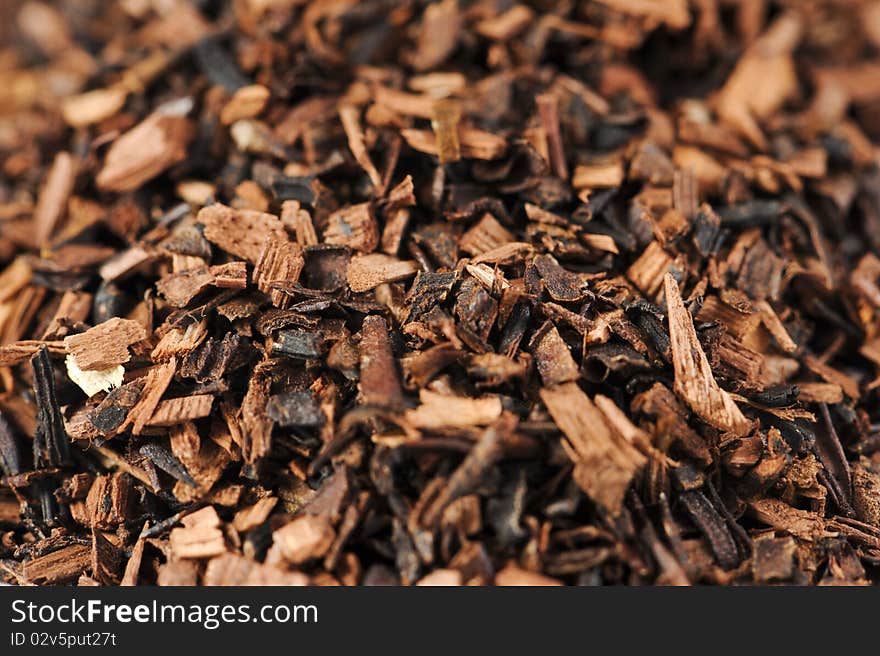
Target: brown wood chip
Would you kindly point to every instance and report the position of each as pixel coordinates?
(105, 345)
(144, 152)
(605, 462)
(694, 381)
(177, 411)
(240, 232)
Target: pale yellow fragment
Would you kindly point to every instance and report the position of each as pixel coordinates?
(92, 382)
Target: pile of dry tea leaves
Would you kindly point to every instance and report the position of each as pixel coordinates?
(405, 292)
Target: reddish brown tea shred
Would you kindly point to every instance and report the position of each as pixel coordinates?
(441, 293)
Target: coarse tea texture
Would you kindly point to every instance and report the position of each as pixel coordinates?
(441, 293)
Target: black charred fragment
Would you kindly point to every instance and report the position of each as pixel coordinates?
(561, 284)
(112, 411)
(51, 443)
(799, 437)
(707, 233)
(110, 301)
(440, 242)
(620, 359)
(167, 462)
(298, 343)
(652, 321)
(777, 397)
(295, 409)
(211, 359)
(10, 457)
(429, 290)
(515, 329)
(505, 511)
(752, 213)
(712, 526)
(476, 308)
(831, 454)
(214, 61)
(824, 312)
(294, 188)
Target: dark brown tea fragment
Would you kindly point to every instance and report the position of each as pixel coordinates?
(440, 293)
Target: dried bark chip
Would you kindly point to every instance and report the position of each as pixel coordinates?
(674, 14)
(93, 106)
(57, 567)
(506, 25)
(14, 278)
(305, 538)
(562, 285)
(202, 539)
(486, 235)
(444, 411)
(350, 122)
(105, 345)
(694, 381)
(155, 385)
(395, 226)
(73, 308)
(246, 102)
(513, 575)
(279, 261)
(253, 516)
(476, 309)
(178, 573)
(240, 232)
(439, 32)
(473, 143)
(747, 94)
(353, 226)
(552, 356)
(605, 463)
(548, 111)
(145, 151)
(232, 275)
(257, 438)
(820, 393)
(866, 494)
(53, 198)
(597, 176)
(300, 344)
(366, 272)
(379, 377)
(176, 411)
(444, 121)
(127, 262)
(468, 474)
(110, 501)
(832, 375)
(182, 287)
(648, 270)
(230, 569)
(179, 341)
(441, 577)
